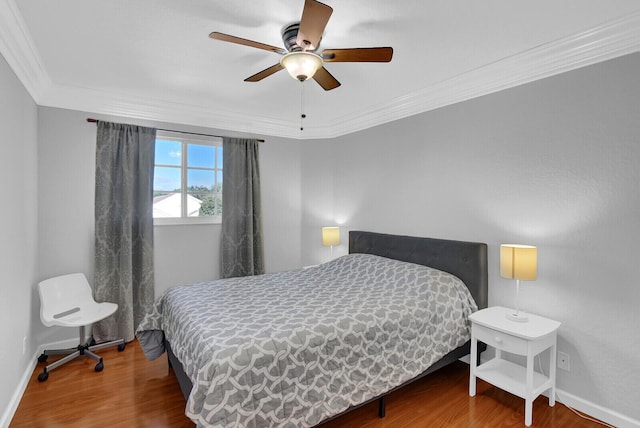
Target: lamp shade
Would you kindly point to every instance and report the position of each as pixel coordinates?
(518, 261)
(330, 236)
(301, 65)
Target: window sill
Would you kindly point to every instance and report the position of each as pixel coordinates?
(186, 221)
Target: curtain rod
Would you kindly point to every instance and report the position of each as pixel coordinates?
(90, 120)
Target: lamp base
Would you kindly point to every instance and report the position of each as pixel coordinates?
(517, 316)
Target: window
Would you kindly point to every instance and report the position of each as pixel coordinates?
(187, 182)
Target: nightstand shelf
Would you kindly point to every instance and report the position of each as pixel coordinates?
(511, 377)
(528, 339)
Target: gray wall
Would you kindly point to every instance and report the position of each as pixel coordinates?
(553, 163)
(18, 231)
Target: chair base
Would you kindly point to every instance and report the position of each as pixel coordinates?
(73, 353)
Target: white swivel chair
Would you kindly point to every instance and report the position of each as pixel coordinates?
(67, 301)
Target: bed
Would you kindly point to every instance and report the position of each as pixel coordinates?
(298, 348)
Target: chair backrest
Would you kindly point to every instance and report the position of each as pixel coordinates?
(63, 295)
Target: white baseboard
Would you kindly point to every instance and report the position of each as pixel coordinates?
(6, 417)
(17, 395)
(596, 411)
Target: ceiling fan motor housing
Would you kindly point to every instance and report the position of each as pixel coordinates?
(289, 36)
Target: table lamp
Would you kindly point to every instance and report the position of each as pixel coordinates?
(331, 237)
(518, 262)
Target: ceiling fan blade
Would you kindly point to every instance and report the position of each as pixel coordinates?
(264, 73)
(315, 16)
(358, 55)
(233, 39)
(325, 79)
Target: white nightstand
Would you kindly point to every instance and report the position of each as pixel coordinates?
(492, 327)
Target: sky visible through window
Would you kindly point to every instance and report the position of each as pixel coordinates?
(169, 153)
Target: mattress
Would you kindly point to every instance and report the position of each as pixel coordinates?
(294, 348)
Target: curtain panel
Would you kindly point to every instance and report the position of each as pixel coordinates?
(242, 239)
(124, 226)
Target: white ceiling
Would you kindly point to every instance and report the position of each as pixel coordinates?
(154, 60)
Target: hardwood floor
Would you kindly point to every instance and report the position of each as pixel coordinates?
(129, 392)
(134, 392)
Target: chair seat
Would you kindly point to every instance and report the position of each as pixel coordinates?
(87, 313)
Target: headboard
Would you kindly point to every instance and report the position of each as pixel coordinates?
(466, 260)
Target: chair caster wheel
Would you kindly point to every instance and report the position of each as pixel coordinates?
(99, 367)
(121, 347)
(42, 358)
(43, 376)
(92, 342)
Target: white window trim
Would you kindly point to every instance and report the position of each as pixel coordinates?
(194, 139)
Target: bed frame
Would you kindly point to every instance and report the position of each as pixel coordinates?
(466, 260)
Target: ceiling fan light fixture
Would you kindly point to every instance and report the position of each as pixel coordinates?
(301, 65)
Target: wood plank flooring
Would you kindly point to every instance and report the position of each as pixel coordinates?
(134, 392)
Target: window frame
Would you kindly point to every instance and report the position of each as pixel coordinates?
(185, 140)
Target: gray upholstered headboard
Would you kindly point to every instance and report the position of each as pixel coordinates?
(466, 260)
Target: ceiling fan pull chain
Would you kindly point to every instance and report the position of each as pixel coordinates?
(302, 115)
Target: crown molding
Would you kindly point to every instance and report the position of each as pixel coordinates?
(610, 40)
(601, 43)
(160, 110)
(19, 51)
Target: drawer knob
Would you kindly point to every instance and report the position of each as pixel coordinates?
(498, 340)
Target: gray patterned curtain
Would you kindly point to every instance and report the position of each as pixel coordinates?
(242, 252)
(124, 226)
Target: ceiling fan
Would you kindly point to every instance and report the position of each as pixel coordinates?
(301, 41)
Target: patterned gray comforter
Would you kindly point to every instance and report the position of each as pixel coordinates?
(294, 348)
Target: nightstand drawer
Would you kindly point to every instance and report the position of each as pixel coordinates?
(500, 340)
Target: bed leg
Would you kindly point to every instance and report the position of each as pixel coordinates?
(382, 404)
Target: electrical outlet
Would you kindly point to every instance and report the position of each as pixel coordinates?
(563, 361)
